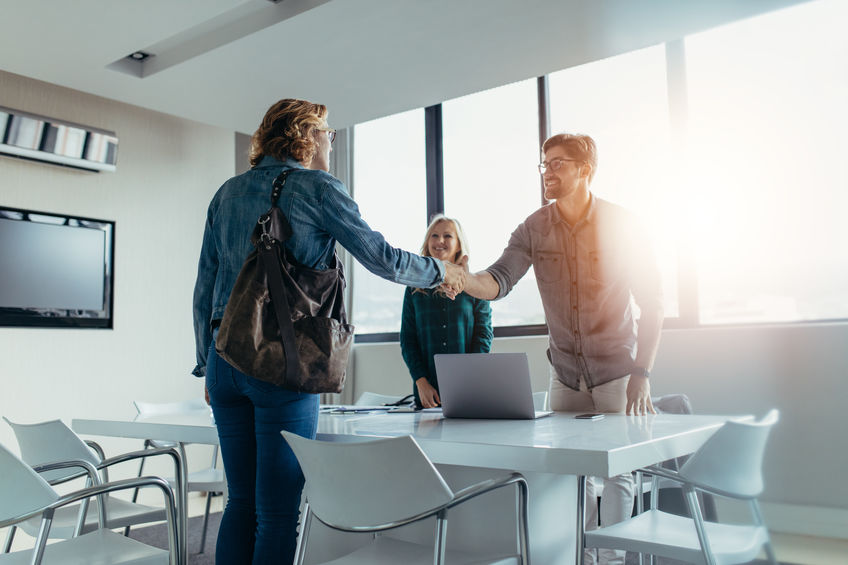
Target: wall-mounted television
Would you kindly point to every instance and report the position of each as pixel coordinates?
(55, 270)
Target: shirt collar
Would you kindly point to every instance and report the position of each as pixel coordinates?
(268, 161)
(589, 215)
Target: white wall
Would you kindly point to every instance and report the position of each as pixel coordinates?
(799, 369)
(167, 170)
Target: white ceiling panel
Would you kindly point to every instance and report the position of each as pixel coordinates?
(223, 62)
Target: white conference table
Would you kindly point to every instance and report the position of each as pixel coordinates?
(192, 426)
(555, 453)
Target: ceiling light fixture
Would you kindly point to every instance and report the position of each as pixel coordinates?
(245, 19)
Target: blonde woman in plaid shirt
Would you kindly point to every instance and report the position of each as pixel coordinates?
(433, 323)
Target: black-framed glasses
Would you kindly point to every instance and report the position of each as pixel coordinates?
(554, 164)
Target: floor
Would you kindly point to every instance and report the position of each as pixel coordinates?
(790, 548)
(806, 550)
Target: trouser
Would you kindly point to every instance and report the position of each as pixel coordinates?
(618, 492)
(264, 480)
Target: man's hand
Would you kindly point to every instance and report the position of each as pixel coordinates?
(429, 396)
(639, 396)
(456, 275)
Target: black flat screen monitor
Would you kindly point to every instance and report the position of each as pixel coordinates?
(55, 270)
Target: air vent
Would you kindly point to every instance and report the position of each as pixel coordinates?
(48, 140)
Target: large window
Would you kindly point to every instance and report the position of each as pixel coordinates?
(622, 103)
(491, 147)
(766, 161)
(729, 145)
(389, 180)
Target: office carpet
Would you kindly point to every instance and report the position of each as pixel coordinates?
(157, 536)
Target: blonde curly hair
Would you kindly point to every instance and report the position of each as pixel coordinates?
(286, 131)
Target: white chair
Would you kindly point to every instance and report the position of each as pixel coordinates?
(210, 480)
(670, 496)
(25, 496)
(51, 442)
(375, 399)
(729, 464)
(378, 485)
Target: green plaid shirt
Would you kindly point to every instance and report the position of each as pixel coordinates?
(432, 323)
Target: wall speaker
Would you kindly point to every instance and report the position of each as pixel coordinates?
(48, 140)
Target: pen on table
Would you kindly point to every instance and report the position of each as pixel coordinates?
(356, 410)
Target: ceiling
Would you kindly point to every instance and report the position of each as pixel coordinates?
(223, 62)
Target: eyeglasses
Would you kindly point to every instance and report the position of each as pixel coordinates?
(554, 164)
(331, 133)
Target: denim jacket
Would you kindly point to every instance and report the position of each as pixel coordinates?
(320, 211)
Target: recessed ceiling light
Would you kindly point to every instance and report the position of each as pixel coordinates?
(138, 56)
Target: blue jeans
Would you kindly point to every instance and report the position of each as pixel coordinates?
(259, 524)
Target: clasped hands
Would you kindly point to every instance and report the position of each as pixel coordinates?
(456, 276)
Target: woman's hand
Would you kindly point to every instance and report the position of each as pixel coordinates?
(455, 277)
(429, 395)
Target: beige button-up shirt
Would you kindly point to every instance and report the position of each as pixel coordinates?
(594, 278)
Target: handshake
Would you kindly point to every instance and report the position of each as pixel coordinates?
(456, 277)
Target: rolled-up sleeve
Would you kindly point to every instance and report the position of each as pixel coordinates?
(370, 248)
(513, 262)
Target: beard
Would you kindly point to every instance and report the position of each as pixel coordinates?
(557, 191)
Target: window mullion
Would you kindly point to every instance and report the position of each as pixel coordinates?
(434, 161)
(678, 110)
(544, 123)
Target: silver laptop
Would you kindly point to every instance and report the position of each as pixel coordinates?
(486, 385)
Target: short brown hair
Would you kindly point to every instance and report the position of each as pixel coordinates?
(579, 146)
(286, 131)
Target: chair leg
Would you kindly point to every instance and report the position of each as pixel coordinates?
(640, 492)
(523, 534)
(305, 525)
(205, 522)
(135, 491)
(758, 518)
(581, 520)
(640, 501)
(41, 540)
(697, 517)
(441, 534)
(10, 536)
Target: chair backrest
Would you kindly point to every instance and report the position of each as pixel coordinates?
(22, 491)
(731, 460)
(375, 399)
(151, 408)
(49, 442)
(369, 483)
